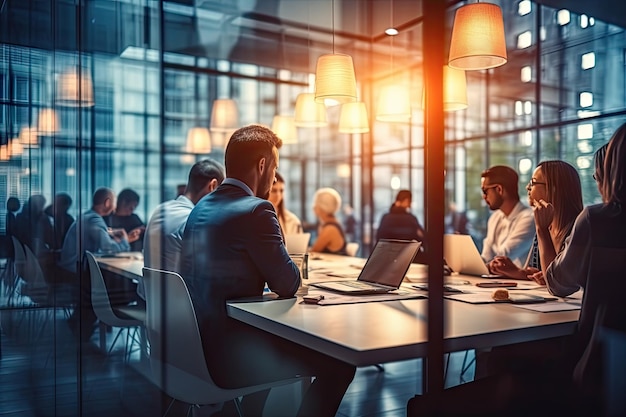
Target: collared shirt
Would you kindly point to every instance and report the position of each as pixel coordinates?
(95, 238)
(240, 184)
(164, 236)
(510, 236)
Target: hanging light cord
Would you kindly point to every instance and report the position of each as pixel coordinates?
(333, 19)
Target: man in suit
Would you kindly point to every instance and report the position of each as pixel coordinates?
(232, 246)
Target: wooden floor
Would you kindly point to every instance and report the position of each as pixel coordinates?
(43, 372)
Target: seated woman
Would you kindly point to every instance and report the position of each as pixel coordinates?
(330, 236)
(289, 222)
(555, 195)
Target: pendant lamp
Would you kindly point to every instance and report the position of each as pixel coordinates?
(285, 128)
(198, 140)
(75, 89)
(4, 153)
(353, 118)
(309, 113)
(48, 121)
(454, 90)
(28, 137)
(15, 147)
(478, 40)
(224, 116)
(335, 79)
(394, 105)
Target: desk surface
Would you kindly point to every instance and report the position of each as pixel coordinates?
(378, 332)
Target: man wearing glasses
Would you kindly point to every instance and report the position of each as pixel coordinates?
(511, 228)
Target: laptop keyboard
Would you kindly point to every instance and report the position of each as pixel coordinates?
(357, 284)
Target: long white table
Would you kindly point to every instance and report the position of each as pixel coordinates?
(379, 332)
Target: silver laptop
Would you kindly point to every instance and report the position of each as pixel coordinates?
(383, 272)
(462, 256)
(297, 242)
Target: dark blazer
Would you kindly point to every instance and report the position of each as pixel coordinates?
(399, 224)
(232, 245)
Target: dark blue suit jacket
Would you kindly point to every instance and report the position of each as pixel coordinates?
(231, 246)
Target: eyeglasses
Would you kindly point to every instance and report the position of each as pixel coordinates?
(533, 182)
(485, 189)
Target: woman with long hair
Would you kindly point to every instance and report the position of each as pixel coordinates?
(555, 195)
(289, 222)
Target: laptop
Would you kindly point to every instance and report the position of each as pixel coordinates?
(461, 254)
(297, 242)
(383, 271)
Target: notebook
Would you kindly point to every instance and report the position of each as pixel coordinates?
(297, 242)
(383, 272)
(462, 256)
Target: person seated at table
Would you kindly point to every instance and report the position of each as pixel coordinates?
(164, 233)
(330, 236)
(399, 223)
(60, 220)
(289, 222)
(510, 228)
(32, 225)
(90, 233)
(555, 195)
(124, 217)
(232, 247)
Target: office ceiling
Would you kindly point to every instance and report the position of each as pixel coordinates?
(274, 33)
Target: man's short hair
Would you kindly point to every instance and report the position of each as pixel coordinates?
(247, 145)
(127, 196)
(101, 194)
(202, 172)
(403, 195)
(505, 176)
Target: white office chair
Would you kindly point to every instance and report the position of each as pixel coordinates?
(352, 248)
(176, 354)
(124, 317)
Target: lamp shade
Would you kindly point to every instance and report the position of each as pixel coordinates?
(15, 147)
(48, 121)
(74, 90)
(198, 140)
(309, 113)
(353, 118)
(454, 89)
(394, 105)
(224, 116)
(4, 153)
(28, 137)
(335, 79)
(285, 128)
(478, 40)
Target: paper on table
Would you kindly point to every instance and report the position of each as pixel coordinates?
(551, 306)
(331, 298)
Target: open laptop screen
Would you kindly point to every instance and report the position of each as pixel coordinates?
(389, 262)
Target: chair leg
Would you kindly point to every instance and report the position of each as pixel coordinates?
(466, 366)
(238, 407)
(379, 367)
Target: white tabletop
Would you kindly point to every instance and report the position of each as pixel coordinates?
(126, 264)
(378, 332)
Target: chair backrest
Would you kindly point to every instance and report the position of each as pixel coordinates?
(352, 248)
(176, 354)
(100, 296)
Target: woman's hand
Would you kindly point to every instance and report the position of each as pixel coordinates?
(538, 278)
(544, 213)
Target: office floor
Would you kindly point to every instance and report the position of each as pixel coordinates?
(41, 367)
